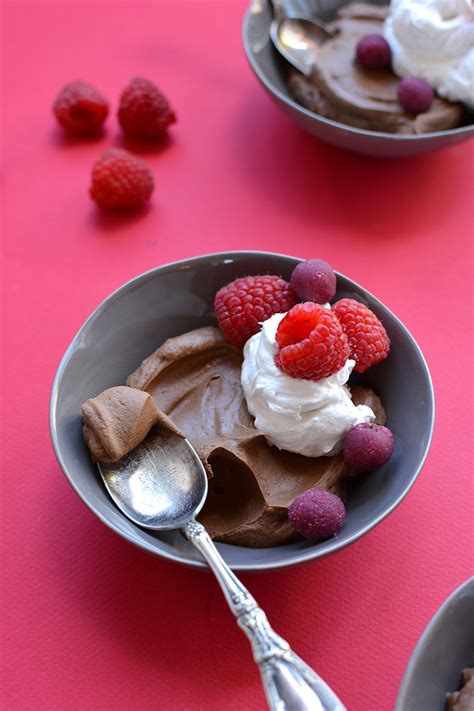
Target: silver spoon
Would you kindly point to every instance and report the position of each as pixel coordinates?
(297, 38)
(161, 485)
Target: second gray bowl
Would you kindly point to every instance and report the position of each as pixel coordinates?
(446, 647)
(270, 70)
(167, 301)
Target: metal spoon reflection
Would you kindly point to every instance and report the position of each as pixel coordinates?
(161, 485)
(297, 38)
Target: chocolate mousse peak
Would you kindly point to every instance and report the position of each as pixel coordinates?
(194, 343)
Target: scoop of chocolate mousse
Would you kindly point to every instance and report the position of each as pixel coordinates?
(194, 379)
(117, 420)
(340, 89)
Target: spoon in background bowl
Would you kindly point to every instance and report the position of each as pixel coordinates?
(296, 37)
(162, 485)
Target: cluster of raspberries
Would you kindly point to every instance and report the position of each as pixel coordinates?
(120, 180)
(314, 340)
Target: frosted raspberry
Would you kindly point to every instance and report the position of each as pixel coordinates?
(245, 303)
(373, 52)
(317, 514)
(415, 95)
(312, 342)
(368, 340)
(367, 447)
(314, 280)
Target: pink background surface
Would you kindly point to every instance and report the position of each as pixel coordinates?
(89, 622)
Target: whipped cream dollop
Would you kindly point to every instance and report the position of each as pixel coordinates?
(304, 416)
(434, 40)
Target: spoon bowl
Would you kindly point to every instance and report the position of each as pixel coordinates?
(297, 39)
(161, 484)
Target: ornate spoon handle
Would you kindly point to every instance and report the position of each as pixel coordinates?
(289, 683)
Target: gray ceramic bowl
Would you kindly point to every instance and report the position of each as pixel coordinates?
(270, 69)
(444, 650)
(169, 300)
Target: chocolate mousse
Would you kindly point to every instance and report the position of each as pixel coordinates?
(462, 700)
(194, 384)
(117, 420)
(340, 89)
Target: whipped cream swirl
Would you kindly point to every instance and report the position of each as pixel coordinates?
(304, 416)
(434, 40)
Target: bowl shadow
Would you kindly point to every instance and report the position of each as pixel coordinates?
(174, 619)
(95, 565)
(322, 184)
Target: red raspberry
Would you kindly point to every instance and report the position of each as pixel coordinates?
(144, 112)
(120, 180)
(312, 342)
(367, 337)
(244, 303)
(80, 108)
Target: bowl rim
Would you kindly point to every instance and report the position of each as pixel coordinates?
(286, 99)
(443, 609)
(303, 556)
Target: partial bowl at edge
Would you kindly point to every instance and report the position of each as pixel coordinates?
(445, 648)
(270, 69)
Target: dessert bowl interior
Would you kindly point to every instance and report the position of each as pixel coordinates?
(271, 71)
(170, 300)
(445, 648)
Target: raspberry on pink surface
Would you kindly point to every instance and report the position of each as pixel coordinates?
(368, 339)
(144, 111)
(245, 303)
(120, 180)
(373, 52)
(367, 447)
(317, 514)
(80, 108)
(312, 342)
(314, 280)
